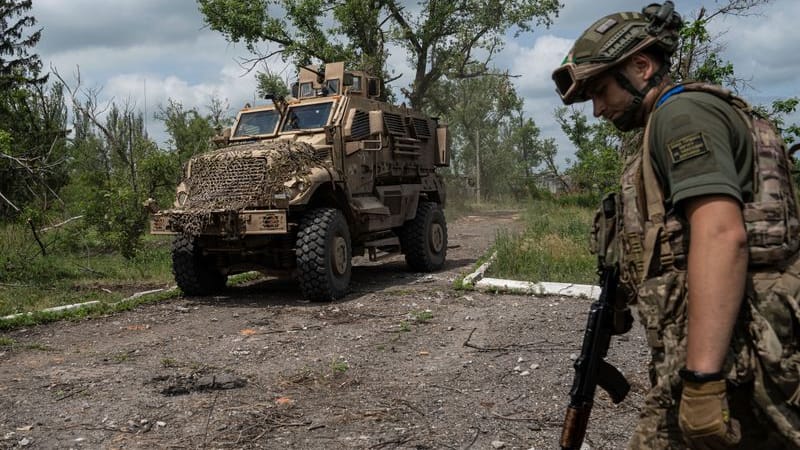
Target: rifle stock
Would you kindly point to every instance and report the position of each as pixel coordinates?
(591, 370)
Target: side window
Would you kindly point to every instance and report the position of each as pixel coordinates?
(333, 86)
(306, 90)
(356, 86)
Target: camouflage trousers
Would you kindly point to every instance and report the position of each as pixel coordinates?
(769, 418)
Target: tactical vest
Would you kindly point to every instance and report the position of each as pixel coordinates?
(653, 241)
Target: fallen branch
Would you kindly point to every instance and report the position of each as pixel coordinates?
(58, 225)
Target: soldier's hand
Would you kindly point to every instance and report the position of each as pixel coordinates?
(705, 418)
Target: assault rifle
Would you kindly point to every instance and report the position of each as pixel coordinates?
(591, 369)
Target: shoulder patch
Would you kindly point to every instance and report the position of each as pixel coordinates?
(687, 147)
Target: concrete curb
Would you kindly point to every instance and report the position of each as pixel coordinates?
(477, 281)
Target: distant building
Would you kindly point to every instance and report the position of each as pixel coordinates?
(551, 182)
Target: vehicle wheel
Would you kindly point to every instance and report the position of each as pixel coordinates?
(324, 255)
(194, 273)
(424, 238)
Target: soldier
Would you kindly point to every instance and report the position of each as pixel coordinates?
(706, 239)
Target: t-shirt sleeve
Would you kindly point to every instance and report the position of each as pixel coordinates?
(691, 147)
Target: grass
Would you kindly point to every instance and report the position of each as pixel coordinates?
(67, 273)
(339, 366)
(554, 246)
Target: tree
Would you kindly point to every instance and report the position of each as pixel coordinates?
(190, 133)
(112, 167)
(485, 115)
(32, 161)
(17, 67)
(32, 118)
(598, 161)
(443, 40)
(698, 55)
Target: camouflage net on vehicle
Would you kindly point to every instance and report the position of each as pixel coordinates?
(234, 178)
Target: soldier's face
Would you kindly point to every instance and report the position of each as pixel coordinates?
(609, 99)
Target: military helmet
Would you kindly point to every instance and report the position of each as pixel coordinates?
(610, 41)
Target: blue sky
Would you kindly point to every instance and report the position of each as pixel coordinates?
(128, 47)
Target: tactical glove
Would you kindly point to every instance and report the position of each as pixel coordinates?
(705, 418)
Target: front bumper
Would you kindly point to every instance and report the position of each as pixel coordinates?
(220, 223)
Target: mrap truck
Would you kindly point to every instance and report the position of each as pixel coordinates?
(300, 186)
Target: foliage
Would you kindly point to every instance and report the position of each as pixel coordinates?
(598, 163)
(34, 149)
(443, 40)
(17, 66)
(698, 55)
(189, 132)
(271, 86)
(494, 146)
(780, 109)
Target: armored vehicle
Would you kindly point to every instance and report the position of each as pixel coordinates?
(300, 186)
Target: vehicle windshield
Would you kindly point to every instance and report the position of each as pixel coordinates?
(306, 117)
(257, 123)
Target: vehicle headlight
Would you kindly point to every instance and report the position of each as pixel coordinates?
(292, 189)
(181, 195)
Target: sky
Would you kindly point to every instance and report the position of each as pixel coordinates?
(146, 52)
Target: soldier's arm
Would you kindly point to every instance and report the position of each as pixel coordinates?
(717, 268)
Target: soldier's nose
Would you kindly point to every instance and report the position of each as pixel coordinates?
(598, 106)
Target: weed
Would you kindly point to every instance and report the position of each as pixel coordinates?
(339, 366)
(7, 341)
(422, 316)
(120, 357)
(169, 362)
(405, 326)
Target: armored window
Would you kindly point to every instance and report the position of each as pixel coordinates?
(257, 123)
(356, 86)
(333, 86)
(306, 90)
(306, 117)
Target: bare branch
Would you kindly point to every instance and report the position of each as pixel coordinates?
(58, 225)
(5, 199)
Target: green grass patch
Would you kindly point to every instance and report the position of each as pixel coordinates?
(554, 246)
(422, 316)
(62, 279)
(339, 366)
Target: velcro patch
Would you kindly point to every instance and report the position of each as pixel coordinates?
(605, 26)
(687, 147)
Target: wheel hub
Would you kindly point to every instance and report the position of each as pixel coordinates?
(437, 237)
(339, 255)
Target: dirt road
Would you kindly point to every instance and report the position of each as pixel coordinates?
(403, 362)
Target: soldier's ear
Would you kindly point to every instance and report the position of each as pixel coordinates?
(643, 66)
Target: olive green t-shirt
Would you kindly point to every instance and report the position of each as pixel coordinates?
(701, 146)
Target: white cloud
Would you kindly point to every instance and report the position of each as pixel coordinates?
(536, 64)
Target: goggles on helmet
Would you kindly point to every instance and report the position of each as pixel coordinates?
(610, 41)
(571, 80)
